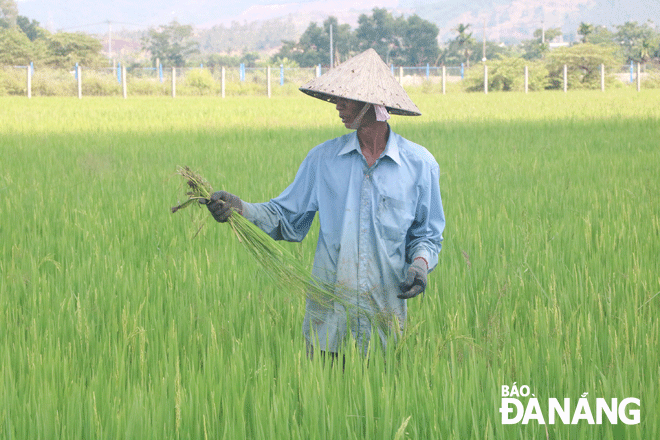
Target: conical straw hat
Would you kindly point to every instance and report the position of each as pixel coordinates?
(366, 78)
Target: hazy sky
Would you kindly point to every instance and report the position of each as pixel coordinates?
(506, 18)
(258, 9)
(84, 15)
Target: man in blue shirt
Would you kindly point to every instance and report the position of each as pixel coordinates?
(378, 200)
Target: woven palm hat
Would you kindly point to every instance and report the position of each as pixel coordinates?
(365, 78)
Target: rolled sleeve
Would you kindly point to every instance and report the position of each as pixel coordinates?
(288, 216)
(425, 235)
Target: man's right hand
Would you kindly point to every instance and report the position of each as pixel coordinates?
(221, 204)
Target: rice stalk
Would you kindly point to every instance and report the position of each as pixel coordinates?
(282, 267)
(199, 188)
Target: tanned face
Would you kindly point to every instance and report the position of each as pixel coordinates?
(348, 110)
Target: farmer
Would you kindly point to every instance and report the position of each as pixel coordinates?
(378, 200)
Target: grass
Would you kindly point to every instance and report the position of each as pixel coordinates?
(114, 324)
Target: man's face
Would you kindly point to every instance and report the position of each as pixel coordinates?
(348, 110)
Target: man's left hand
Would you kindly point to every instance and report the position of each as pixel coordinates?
(415, 282)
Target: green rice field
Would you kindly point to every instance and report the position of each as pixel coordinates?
(117, 322)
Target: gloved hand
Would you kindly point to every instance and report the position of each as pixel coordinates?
(221, 204)
(415, 282)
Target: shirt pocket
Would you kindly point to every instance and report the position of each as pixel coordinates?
(394, 218)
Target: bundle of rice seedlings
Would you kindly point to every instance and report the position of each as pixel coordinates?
(280, 265)
(198, 188)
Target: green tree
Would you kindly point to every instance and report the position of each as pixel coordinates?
(496, 50)
(420, 42)
(396, 40)
(586, 29)
(215, 60)
(464, 42)
(411, 41)
(313, 47)
(250, 59)
(507, 74)
(583, 65)
(343, 39)
(601, 35)
(646, 50)
(285, 62)
(636, 41)
(172, 45)
(8, 13)
(312, 44)
(66, 49)
(381, 32)
(31, 28)
(15, 47)
(454, 52)
(288, 51)
(537, 47)
(547, 35)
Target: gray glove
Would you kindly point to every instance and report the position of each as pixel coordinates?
(415, 282)
(221, 204)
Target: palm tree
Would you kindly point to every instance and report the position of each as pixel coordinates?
(464, 41)
(585, 30)
(645, 49)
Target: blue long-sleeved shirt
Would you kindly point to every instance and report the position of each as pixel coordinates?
(373, 222)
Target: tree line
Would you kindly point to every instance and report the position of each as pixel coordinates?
(403, 41)
(410, 41)
(23, 41)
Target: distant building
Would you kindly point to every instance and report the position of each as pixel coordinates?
(558, 41)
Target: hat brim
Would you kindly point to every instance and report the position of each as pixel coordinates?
(364, 78)
(334, 98)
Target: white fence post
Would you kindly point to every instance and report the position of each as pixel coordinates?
(444, 79)
(79, 75)
(222, 81)
(29, 82)
(635, 75)
(526, 79)
(173, 82)
(485, 78)
(123, 81)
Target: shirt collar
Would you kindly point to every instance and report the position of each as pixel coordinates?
(352, 144)
(391, 149)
